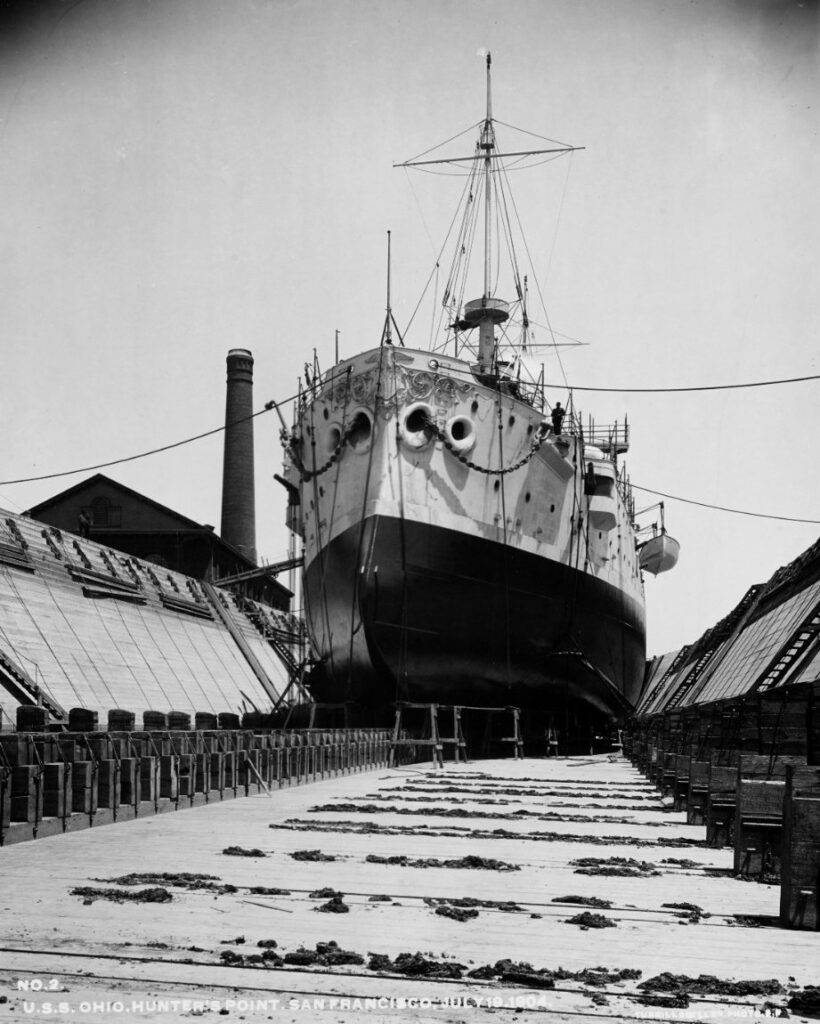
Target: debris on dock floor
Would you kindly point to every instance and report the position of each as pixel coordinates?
(579, 920)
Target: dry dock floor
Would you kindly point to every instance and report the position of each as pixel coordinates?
(65, 956)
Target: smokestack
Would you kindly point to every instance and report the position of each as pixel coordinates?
(238, 500)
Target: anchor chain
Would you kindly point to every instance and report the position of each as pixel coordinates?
(290, 445)
(430, 428)
(535, 444)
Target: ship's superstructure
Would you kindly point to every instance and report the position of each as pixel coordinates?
(466, 540)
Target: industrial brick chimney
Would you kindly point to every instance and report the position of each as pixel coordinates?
(238, 499)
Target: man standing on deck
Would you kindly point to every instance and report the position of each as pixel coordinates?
(557, 415)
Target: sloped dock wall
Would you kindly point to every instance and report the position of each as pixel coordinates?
(82, 625)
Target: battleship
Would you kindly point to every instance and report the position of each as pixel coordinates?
(466, 539)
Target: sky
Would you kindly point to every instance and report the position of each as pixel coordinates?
(181, 177)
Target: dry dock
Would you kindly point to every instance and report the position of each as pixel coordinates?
(493, 842)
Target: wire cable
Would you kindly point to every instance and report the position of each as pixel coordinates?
(723, 508)
(143, 455)
(543, 287)
(535, 276)
(438, 145)
(697, 387)
(535, 135)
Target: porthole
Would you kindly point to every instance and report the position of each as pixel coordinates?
(417, 425)
(474, 407)
(511, 421)
(460, 432)
(552, 508)
(527, 496)
(496, 485)
(325, 413)
(417, 421)
(361, 432)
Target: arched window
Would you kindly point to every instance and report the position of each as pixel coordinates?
(100, 511)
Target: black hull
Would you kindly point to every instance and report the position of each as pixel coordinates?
(408, 611)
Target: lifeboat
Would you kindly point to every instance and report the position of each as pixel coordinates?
(660, 554)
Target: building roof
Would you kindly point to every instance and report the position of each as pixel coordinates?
(101, 478)
(185, 524)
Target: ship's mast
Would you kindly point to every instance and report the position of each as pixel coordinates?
(486, 321)
(390, 321)
(486, 312)
(487, 144)
(387, 336)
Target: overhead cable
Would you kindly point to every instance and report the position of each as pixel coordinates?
(701, 387)
(141, 455)
(723, 508)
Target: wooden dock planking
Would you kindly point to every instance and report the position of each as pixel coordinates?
(46, 930)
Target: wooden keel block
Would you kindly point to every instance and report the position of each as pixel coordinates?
(217, 773)
(129, 782)
(149, 779)
(108, 784)
(187, 775)
(26, 793)
(169, 776)
(230, 770)
(800, 868)
(202, 773)
(84, 787)
(57, 790)
(5, 802)
(247, 779)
